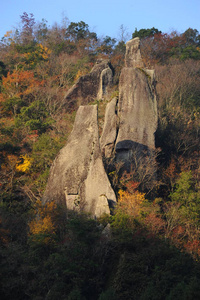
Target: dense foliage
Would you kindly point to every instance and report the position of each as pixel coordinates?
(150, 247)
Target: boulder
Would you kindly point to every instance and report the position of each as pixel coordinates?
(77, 176)
(90, 86)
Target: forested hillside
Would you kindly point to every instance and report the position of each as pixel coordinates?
(149, 248)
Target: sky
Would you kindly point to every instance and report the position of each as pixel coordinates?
(105, 17)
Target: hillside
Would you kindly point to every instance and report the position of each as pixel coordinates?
(148, 246)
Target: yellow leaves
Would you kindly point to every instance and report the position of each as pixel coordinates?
(24, 163)
(8, 38)
(41, 53)
(8, 33)
(44, 222)
(44, 51)
(44, 225)
(131, 204)
(79, 74)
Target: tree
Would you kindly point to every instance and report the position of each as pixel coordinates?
(107, 45)
(192, 37)
(145, 33)
(42, 227)
(28, 22)
(182, 214)
(123, 34)
(18, 83)
(41, 32)
(2, 70)
(131, 204)
(79, 31)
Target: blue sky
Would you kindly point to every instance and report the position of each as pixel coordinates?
(106, 16)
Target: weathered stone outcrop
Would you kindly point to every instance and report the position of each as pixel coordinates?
(133, 57)
(77, 175)
(105, 82)
(136, 109)
(92, 85)
(110, 128)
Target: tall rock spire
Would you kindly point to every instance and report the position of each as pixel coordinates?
(136, 108)
(77, 176)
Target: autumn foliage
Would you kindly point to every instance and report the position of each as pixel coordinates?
(149, 247)
(131, 204)
(43, 227)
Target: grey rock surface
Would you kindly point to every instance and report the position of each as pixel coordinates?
(133, 57)
(106, 78)
(137, 109)
(132, 122)
(109, 133)
(77, 175)
(91, 86)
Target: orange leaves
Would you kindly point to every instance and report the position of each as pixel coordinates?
(44, 225)
(193, 247)
(131, 204)
(171, 172)
(132, 186)
(19, 83)
(8, 33)
(44, 222)
(154, 223)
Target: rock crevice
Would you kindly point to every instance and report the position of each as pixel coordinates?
(91, 86)
(136, 108)
(77, 176)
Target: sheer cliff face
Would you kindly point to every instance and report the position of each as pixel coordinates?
(136, 108)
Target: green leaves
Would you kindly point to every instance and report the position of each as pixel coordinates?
(188, 198)
(144, 33)
(34, 116)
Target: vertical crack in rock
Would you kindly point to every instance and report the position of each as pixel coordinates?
(137, 107)
(90, 86)
(110, 128)
(130, 131)
(77, 175)
(106, 78)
